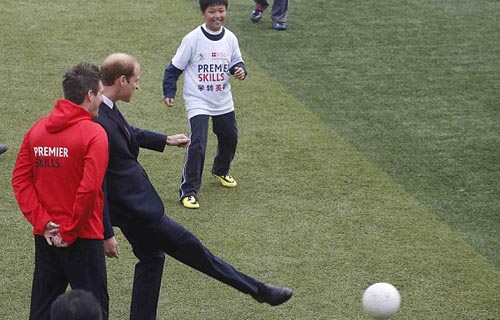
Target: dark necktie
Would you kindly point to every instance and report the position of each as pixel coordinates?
(122, 120)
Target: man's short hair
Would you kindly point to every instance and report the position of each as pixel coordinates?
(79, 80)
(76, 305)
(117, 65)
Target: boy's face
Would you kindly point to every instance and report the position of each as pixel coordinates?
(215, 16)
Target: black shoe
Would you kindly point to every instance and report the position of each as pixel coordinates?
(272, 294)
(3, 148)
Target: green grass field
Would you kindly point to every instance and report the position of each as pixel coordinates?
(369, 151)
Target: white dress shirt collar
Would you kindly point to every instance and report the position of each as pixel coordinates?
(108, 102)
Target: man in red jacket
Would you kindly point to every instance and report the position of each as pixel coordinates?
(57, 182)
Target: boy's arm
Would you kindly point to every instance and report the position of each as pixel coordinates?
(240, 65)
(170, 77)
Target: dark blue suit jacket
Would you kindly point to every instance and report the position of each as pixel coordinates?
(130, 198)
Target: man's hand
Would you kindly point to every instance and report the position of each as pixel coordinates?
(51, 230)
(111, 248)
(59, 242)
(169, 102)
(179, 140)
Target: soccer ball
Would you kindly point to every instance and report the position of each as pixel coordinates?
(381, 300)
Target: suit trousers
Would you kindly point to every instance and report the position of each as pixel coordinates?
(82, 265)
(226, 130)
(279, 10)
(151, 241)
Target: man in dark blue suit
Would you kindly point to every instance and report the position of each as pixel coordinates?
(135, 207)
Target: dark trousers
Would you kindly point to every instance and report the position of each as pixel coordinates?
(150, 242)
(279, 10)
(226, 130)
(81, 265)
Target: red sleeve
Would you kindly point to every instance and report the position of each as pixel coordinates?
(24, 189)
(95, 164)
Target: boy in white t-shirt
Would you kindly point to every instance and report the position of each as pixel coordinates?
(208, 56)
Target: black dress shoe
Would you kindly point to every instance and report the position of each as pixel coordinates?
(272, 294)
(3, 148)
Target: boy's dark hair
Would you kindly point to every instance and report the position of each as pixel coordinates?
(76, 305)
(79, 80)
(204, 4)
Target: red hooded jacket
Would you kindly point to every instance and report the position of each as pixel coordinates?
(59, 172)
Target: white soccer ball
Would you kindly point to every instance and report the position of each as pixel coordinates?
(381, 300)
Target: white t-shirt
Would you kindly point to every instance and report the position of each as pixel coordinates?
(206, 65)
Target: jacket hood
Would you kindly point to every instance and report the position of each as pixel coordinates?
(65, 114)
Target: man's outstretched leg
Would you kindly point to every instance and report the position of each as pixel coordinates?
(182, 245)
